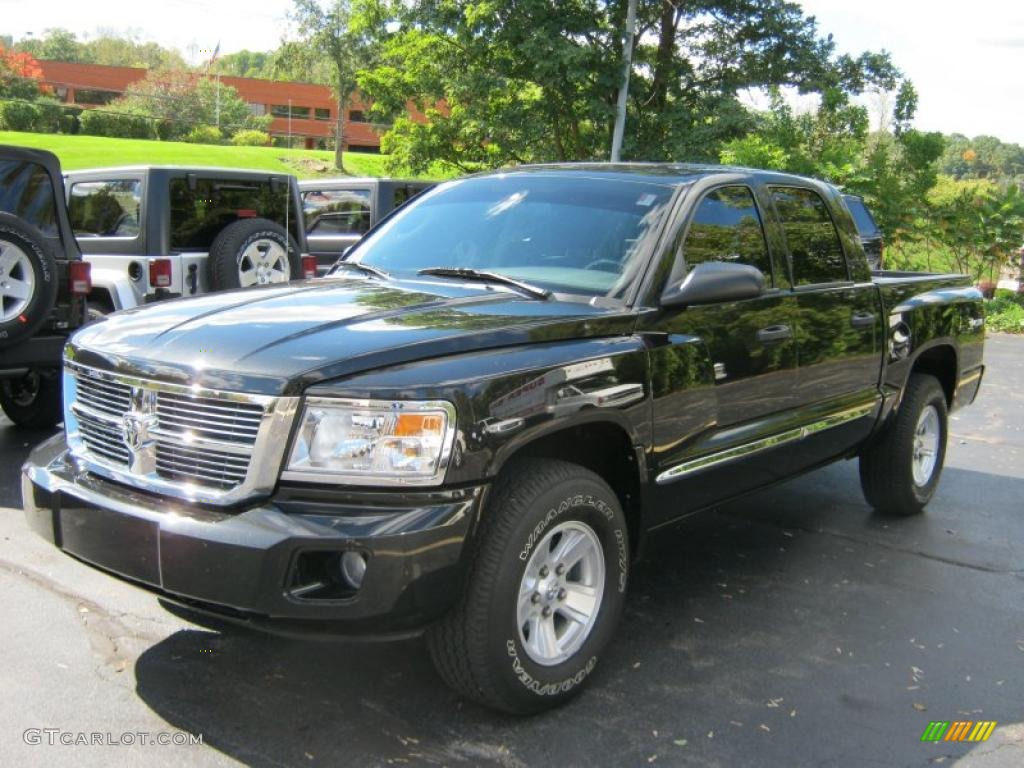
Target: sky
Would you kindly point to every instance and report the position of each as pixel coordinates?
(966, 59)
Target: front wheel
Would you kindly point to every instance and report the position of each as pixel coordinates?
(545, 590)
(900, 471)
(34, 400)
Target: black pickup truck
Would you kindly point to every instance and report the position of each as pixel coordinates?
(472, 424)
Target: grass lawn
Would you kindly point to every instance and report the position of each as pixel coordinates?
(96, 152)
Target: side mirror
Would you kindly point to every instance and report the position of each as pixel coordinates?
(714, 281)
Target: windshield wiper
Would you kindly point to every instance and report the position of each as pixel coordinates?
(364, 268)
(491, 277)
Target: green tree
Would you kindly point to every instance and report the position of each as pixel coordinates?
(180, 101)
(980, 223)
(339, 32)
(56, 44)
(509, 81)
(247, 63)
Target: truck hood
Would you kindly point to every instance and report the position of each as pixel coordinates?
(280, 339)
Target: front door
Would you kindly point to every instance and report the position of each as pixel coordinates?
(839, 329)
(707, 421)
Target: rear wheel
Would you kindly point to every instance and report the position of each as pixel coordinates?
(253, 252)
(33, 400)
(28, 280)
(900, 471)
(544, 592)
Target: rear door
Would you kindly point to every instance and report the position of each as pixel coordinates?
(838, 328)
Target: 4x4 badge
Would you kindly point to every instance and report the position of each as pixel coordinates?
(136, 431)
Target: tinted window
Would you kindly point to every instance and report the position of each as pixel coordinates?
(27, 192)
(198, 215)
(336, 211)
(866, 226)
(105, 208)
(565, 232)
(812, 238)
(727, 227)
(405, 193)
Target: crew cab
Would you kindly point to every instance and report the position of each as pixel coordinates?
(472, 423)
(43, 285)
(159, 232)
(340, 211)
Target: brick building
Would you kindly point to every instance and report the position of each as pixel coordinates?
(312, 107)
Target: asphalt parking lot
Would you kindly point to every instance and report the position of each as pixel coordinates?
(792, 628)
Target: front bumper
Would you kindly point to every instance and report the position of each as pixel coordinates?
(243, 564)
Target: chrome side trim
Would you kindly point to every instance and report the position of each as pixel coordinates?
(969, 379)
(763, 444)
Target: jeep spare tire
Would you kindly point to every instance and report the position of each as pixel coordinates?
(28, 280)
(253, 252)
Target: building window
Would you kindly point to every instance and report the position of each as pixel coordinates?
(94, 98)
(281, 110)
(258, 109)
(322, 114)
(356, 116)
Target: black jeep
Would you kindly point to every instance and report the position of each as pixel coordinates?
(43, 283)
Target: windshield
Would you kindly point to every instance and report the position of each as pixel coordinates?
(569, 233)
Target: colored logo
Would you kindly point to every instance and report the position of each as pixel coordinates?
(959, 730)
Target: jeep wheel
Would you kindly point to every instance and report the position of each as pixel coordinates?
(28, 280)
(900, 471)
(253, 252)
(545, 588)
(34, 400)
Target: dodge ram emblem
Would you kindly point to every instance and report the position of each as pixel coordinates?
(136, 429)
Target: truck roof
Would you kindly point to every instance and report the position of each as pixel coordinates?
(667, 173)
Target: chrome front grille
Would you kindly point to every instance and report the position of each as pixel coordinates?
(189, 442)
(209, 418)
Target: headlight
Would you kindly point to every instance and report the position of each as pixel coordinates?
(372, 442)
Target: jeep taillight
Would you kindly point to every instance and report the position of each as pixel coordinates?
(80, 277)
(160, 273)
(308, 267)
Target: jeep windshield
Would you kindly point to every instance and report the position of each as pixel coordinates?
(574, 233)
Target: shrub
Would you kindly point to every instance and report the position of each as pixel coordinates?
(1004, 315)
(204, 134)
(98, 122)
(51, 113)
(250, 138)
(69, 122)
(18, 116)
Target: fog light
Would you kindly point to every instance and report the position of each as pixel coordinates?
(353, 568)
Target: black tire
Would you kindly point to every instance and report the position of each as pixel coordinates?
(477, 648)
(34, 400)
(887, 464)
(231, 243)
(40, 262)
